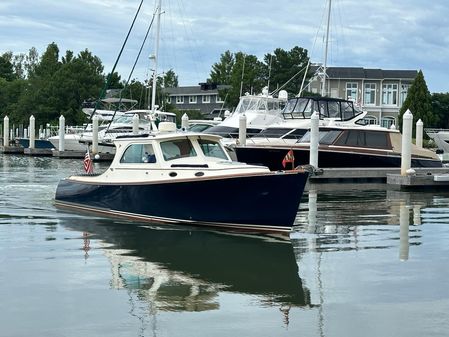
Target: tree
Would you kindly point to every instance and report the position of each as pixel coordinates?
(170, 79)
(419, 102)
(6, 67)
(287, 68)
(440, 108)
(243, 73)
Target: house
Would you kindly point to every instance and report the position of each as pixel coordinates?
(204, 97)
(380, 92)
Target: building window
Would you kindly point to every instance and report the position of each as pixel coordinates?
(404, 91)
(192, 99)
(179, 99)
(206, 98)
(370, 94)
(168, 99)
(390, 94)
(387, 122)
(370, 120)
(351, 91)
(219, 99)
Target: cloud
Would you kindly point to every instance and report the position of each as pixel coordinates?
(380, 34)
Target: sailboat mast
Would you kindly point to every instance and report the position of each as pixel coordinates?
(323, 90)
(156, 56)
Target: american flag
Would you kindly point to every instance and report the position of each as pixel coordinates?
(289, 158)
(88, 165)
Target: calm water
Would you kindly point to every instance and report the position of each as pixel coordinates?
(363, 261)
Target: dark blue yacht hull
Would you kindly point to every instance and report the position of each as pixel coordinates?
(273, 156)
(267, 202)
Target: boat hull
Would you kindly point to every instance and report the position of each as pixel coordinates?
(266, 202)
(272, 157)
(38, 143)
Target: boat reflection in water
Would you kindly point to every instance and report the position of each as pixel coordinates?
(178, 269)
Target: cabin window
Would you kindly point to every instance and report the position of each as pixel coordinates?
(138, 153)
(177, 148)
(360, 138)
(212, 149)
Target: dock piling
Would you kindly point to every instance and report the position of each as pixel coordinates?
(184, 122)
(419, 133)
(32, 142)
(404, 223)
(406, 154)
(95, 134)
(314, 139)
(61, 133)
(6, 131)
(242, 130)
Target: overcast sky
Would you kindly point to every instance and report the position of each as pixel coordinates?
(386, 34)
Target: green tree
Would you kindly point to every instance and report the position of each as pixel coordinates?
(440, 108)
(243, 73)
(419, 101)
(287, 68)
(6, 67)
(170, 79)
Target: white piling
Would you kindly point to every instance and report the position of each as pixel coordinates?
(32, 140)
(136, 124)
(314, 139)
(242, 129)
(184, 122)
(404, 223)
(95, 134)
(419, 132)
(6, 131)
(61, 133)
(406, 155)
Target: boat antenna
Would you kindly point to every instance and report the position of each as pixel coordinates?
(156, 55)
(323, 89)
(108, 80)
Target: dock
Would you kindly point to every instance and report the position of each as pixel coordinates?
(435, 177)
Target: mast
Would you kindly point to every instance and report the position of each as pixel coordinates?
(323, 89)
(156, 55)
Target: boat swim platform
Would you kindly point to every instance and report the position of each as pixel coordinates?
(377, 175)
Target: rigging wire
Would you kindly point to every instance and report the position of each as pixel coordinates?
(134, 65)
(103, 90)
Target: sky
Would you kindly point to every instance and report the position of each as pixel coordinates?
(385, 34)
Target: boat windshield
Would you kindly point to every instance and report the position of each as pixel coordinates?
(177, 148)
(325, 137)
(211, 148)
(299, 108)
(263, 103)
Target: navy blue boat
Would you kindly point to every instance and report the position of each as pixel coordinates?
(343, 146)
(38, 143)
(186, 178)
